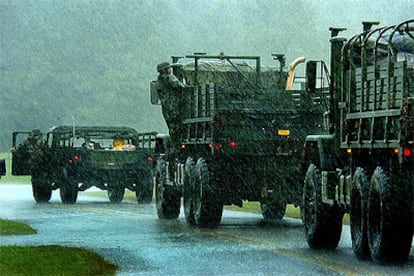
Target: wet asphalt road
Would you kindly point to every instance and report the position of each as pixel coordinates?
(131, 236)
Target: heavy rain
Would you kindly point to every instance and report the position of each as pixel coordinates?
(284, 104)
(95, 59)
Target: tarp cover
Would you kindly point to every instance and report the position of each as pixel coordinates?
(220, 72)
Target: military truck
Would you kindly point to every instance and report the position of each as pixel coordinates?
(241, 136)
(73, 159)
(364, 164)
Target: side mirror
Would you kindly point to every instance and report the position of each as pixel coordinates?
(162, 144)
(154, 97)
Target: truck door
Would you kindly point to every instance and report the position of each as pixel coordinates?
(20, 154)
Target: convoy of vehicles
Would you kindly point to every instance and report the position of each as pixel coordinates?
(241, 137)
(364, 165)
(341, 143)
(241, 134)
(73, 159)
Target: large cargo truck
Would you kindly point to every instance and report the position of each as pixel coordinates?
(364, 165)
(241, 136)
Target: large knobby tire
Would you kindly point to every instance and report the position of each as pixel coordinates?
(188, 191)
(208, 206)
(166, 196)
(323, 223)
(145, 190)
(390, 217)
(273, 209)
(68, 192)
(42, 190)
(358, 214)
(116, 192)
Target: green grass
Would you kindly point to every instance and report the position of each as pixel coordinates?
(48, 259)
(52, 260)
(9, 227)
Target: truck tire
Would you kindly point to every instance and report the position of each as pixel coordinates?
(208, 206)
(116, 192)
(166, 196)
(390, 217)
(358, 214)
(145, 191)
(323, 223)
(68, 192)
(273, 209)
(42, 192)
(188, 191)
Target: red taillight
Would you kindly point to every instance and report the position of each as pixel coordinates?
(407, 152)
(75, 158)
(233, 144)
(149, 158)
(217, 146)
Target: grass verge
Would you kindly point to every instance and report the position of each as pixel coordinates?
(48, 259)
(9, 227)
(52, 260)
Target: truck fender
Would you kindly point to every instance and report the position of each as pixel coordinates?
(322, 151)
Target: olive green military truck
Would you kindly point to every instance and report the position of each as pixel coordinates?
(364, 164)
(240, 138)
(73, 159)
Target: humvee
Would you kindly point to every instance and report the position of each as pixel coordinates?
(74, 159)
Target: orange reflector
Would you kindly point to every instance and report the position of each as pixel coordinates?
(283, 132)
(76, 157)
(396, 150)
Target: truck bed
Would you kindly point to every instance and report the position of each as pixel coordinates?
(258, 119)
(373, 110)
